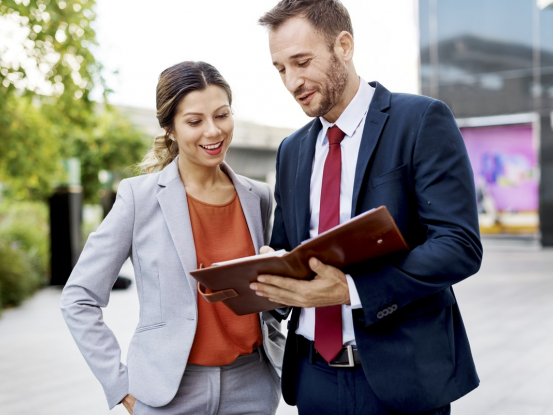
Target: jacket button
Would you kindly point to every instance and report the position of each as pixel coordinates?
(380, 315)
(394, 307)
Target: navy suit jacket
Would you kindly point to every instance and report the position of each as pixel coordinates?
(409, 332)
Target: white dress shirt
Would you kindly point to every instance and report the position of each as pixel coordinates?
(351, 122)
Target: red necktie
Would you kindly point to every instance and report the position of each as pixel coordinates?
(328, 320)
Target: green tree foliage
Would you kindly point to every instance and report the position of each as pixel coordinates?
(30, 152)
(46, 52)
(111, 145)
(47, 72)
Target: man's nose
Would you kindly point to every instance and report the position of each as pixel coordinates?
(293, 81)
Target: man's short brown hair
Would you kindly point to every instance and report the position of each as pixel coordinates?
(329, 17)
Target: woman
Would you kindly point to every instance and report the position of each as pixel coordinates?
(186, 356)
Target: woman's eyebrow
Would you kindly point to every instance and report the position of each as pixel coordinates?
(199, 113)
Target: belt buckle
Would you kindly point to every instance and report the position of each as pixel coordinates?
(351, 361)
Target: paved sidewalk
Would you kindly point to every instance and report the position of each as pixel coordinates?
(508, 313)
(507, 307)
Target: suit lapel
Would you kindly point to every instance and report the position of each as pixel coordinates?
(174, 206)
(303, 179)
(251, 206)
(374, 124)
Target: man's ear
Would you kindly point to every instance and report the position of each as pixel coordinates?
(344, 46)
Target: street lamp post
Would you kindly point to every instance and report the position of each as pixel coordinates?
(65, 223)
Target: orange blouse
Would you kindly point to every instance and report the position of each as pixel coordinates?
(221, 234)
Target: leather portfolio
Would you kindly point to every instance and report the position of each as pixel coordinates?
(370, 235)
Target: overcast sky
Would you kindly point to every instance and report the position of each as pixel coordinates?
(141, 38)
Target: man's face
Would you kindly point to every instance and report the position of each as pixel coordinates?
(312, 73)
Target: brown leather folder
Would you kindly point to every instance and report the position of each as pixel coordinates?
(370, 235)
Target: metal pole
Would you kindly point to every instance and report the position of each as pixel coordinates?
(536, 58)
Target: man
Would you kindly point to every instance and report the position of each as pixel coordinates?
(393, 323)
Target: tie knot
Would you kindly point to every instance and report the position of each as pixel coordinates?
(335, 135)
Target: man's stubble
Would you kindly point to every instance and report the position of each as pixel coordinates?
(336, 81)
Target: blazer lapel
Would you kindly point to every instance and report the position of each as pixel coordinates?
(173, 203)
(251, 206)
(303, 179)
(374, 124)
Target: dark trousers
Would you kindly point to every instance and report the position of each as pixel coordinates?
(321, 389)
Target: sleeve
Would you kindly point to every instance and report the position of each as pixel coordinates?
(354, 300)
(88, 290)
(267, 216)
(446, 204)
(279, 239)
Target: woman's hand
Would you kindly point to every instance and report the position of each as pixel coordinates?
(128, 403)
(265, 249)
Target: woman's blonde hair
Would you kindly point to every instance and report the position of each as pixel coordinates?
(173, 85)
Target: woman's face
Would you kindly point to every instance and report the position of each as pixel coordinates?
(203, 127)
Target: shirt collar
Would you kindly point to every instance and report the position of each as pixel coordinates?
(353, 114)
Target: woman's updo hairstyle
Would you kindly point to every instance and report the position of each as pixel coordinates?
(173, 85)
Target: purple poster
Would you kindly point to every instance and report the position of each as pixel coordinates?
(505, 165)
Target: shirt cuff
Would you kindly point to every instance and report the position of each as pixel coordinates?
(354, 300)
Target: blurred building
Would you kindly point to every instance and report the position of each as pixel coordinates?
(491, 62)
(253, 149)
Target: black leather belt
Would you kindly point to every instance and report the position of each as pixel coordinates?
(347, 357)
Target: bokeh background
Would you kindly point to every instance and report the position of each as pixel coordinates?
(77, 112)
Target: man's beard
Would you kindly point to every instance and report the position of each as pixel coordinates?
(336, 80)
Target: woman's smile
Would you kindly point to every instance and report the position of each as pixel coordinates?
(213, 149)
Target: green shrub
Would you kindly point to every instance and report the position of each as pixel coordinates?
(18, 278)
(24, 250)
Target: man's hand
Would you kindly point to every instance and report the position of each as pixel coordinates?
(329, 287)
(128, 403)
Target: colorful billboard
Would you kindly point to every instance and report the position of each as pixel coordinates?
(505, 164)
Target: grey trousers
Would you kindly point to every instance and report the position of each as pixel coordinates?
(249, 385)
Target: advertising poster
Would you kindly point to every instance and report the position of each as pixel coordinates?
(505, 164)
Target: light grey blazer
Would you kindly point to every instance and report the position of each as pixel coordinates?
(150, 223)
